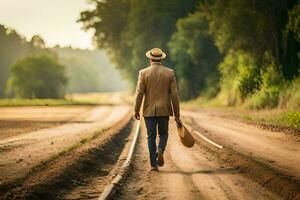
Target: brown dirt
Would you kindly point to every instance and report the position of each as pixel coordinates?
(239, 115)
(12, 128)
(277, 128)
(79, 174)
(285, 186)
(274, 149)
(188, 174)
(255, 164)
(21, 120)
(22, 153)
(43, 113)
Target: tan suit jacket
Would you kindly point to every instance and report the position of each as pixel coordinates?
(157, 84)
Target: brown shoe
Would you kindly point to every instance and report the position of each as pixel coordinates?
(154, 169)
(160, 158)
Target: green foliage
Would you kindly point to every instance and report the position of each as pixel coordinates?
(286, 118)
(128, 28)
(244, 80)
(42, 102)
(89, 71)
(11, 48)
(14, 47)
(293, 28)
(37, 77)
(243, 52)
(250, 34)
(265, 98)
(196, 59)
(291, 118)
(254, 27)
(290, 95)
(237, 24)
(240, 77)
(293, 24)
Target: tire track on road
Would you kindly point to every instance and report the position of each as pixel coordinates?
(188, 174)
(79, 174)
(44, 145)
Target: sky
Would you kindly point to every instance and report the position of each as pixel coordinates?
(53, 20)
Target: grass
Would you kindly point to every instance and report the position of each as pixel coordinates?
(201, 102)
(285, 118)
(40, 102)
(108, 98)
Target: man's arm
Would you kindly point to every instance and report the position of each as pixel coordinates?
(175, 99)
(139, 94)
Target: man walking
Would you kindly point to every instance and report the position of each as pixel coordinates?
(157, 85)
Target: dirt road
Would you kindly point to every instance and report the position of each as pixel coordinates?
(278, 150)
(20, 120)
(20, 153)
(199, 173)
(254, 163)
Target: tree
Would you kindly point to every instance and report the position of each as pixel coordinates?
(128, 28)
(254, 27)
(108, 20)
(293, 25)
(237, 47)
(37, 76)
(250, 34)
(13, 47)
(196, 58)
(38, 42)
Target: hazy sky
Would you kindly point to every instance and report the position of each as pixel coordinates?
(54, 20)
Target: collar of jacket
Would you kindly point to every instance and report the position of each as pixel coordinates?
(156, 63)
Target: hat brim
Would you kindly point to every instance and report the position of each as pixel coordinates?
(163, 56)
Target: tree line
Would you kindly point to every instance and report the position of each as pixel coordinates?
(235, 51)
(28, 69)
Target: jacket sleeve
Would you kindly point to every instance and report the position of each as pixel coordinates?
(139, 93)
(174, 96)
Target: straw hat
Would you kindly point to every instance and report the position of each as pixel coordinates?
(185, 136)
(156, 54)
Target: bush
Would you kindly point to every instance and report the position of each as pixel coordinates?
(291, 118)
(240, 77)
(290, 95)
(37, 76)
(271, 85)
(265, 98)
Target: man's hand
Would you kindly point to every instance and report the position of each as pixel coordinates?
(178, 122)
(137, 116)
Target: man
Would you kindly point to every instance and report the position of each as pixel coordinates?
(157, 84)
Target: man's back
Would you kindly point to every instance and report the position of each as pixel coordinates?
(158, 84)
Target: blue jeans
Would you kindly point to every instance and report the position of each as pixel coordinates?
(153, 124)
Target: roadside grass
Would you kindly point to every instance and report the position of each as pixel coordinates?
(289, 118)
(277, 105)
(202, 102)
(106, 98)
(285, 118)
(41, 102)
